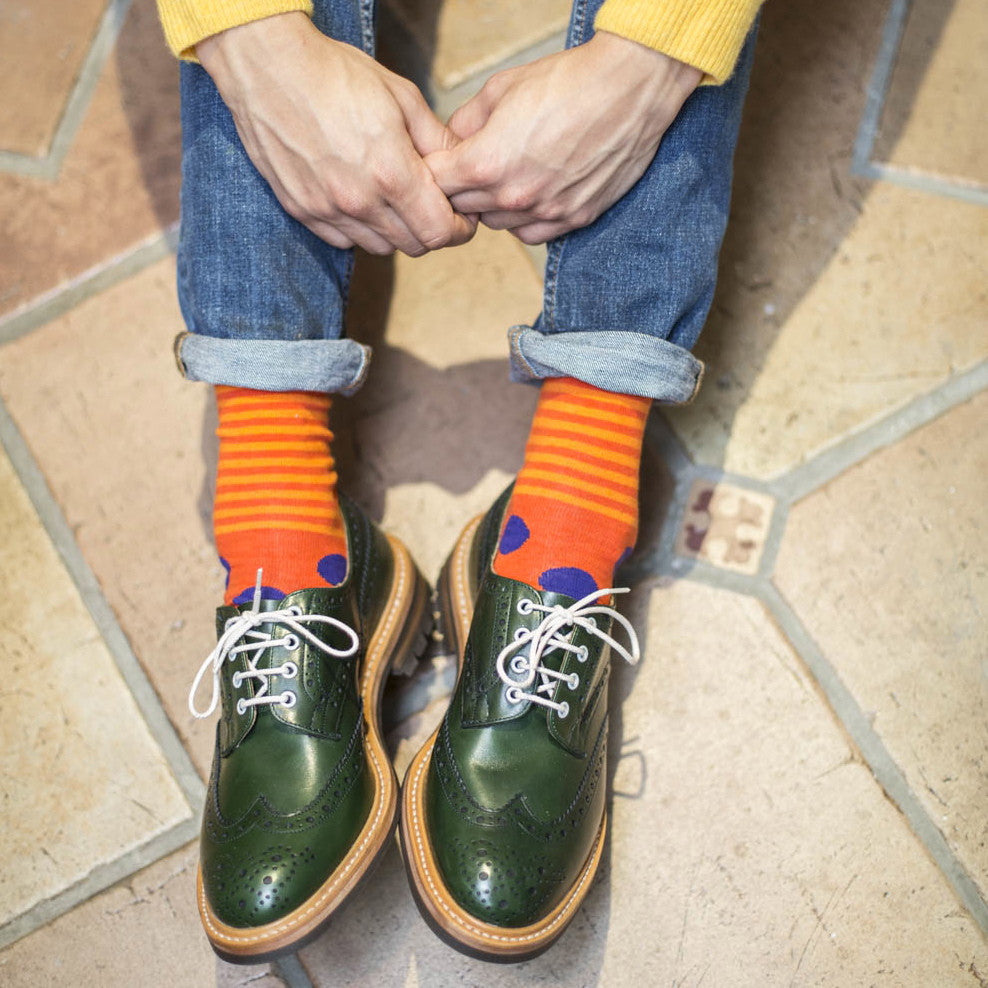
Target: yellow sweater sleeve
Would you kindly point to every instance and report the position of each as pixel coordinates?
(187, 22)
(706, 34)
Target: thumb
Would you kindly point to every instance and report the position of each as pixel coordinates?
(446, 170)
(470, 117)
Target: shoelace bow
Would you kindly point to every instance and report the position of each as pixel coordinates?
(243, 627)
(554, 632)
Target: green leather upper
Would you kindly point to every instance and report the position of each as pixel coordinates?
(515, 792)
(290, 787)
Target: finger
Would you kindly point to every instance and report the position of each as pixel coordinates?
(464, 227)
(470, 117)
(425, 129)
(330, 234)
(428, 214)
(504, 220)
(471, 201)
(541, 232)
(363, 236)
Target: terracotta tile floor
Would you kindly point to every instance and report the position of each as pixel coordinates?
(799, 790)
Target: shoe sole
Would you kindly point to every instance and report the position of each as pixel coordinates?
(397, 642)
(447, 918)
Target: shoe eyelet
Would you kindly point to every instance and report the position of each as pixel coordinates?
(525, 606)
(241, 707)
(573, 682)
(295, 610)
(290, 642)
(518, 665)
(236, 679)
(592, 621)
(513, 695)
(563, 710)
(521, 633)
(583, 654)
(288, 699)
(289, 670)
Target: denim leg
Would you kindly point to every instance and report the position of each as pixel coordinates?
(262, 297)
(626, 297)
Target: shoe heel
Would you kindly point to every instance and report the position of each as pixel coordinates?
(417, 632)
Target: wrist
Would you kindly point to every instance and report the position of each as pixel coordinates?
(670, 79)
(259, 41)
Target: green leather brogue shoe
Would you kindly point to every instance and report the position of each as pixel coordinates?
(302, 798)
(503, 809)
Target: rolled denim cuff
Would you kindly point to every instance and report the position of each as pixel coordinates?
(332, 366)
(615, 360)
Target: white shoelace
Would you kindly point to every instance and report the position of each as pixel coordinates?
(519, 671)
(244, 626)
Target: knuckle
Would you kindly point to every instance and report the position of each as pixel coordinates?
(354, 202)
(518, 198)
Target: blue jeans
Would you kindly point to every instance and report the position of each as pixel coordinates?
(625, 298)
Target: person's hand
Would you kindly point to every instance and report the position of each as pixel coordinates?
(547, 147)
(339, 138)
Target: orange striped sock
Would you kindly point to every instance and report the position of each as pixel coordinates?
(276, 507)
(573, 514)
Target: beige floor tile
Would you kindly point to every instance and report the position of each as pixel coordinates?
(748, 846)
(119, 182)
(144, 931)
(83, 780)
(900, 308)
(119, 436)
(43, 47)
(901, 613)
(934, 115)
(838, 302)
(468, 36)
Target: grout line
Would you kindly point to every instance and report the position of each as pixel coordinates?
(291, 970)
(82, 576)
(99, 880)
(922, 181)
(883, 766)
(77, 104)
(446, 101)
(68, 295)
(825, 466)
(864, 141)
(773, 539)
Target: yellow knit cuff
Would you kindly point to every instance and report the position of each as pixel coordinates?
(707, 34)
(187, 22)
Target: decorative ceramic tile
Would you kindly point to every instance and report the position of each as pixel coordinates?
(43, 46)
(725, 525)
(886, 566)
(934, 115)
(83, 779)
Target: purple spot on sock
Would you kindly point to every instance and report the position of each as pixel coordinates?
(226, 566)
(569, 580)
(515, 535)
(267, 593)
(332, 568)
(625, 556)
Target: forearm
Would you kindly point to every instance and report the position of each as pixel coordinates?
(707, 34)
(187, 22)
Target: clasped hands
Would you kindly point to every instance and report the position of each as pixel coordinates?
(354, 153)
